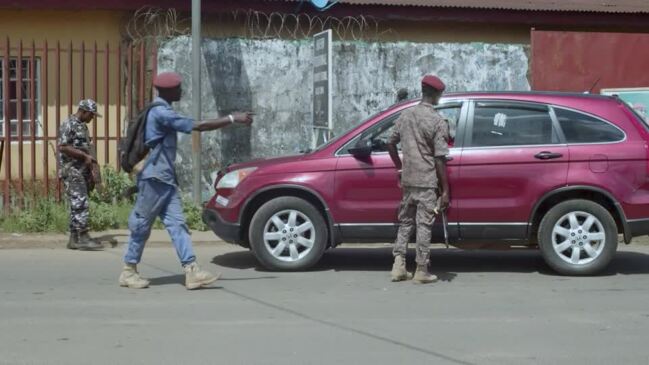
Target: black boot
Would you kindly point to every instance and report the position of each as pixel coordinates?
(73, 243)
(86, 243)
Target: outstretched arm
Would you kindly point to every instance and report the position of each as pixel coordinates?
(214, 124)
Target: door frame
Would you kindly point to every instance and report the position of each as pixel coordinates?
(377, 232)
(512, 232)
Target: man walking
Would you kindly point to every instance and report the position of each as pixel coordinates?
(76, 165)
(423, 135)
(158, 187)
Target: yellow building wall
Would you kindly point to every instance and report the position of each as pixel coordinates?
(67, 28)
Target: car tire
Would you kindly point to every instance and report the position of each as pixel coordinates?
(578, 237)
(288, 234)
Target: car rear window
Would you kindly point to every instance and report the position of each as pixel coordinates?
(641, 117)
(583, 128)
(512, 124)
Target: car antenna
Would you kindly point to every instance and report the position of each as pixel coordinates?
(593, 87)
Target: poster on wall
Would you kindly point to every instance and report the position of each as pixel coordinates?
(637, 98)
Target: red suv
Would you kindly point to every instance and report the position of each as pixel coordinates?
(563, 172)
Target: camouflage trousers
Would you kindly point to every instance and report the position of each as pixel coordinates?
(417, 211)
(76, 190)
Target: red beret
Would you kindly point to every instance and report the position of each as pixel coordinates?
(167, 80)
(434, 82)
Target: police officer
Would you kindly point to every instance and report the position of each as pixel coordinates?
(76, 166)
(158, 187)
(423, 135)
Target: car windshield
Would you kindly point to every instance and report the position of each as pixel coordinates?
(334, 139)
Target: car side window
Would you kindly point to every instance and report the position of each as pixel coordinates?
(582, 128)
(378, 135)
(512, 124)
(452, 116)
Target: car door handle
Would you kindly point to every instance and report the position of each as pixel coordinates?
(449, 158)
(547, 155)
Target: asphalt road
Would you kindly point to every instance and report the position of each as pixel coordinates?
(64, 307)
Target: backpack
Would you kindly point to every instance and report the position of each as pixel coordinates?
(132, 148)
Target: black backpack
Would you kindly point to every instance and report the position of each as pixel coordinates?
(132, 148)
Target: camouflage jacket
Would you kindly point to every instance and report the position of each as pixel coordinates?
(73, 133)
(423, 134)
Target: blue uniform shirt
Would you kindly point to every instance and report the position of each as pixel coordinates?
(160, 135)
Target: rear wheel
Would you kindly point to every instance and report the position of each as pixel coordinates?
(578, 237)
(288, 233)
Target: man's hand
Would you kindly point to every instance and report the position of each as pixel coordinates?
(243, 118)
(444, 201)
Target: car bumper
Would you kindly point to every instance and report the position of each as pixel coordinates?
(229, 232)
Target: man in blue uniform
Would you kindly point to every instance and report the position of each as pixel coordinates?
(158, 187)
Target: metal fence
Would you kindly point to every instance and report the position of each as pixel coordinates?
(41, 86)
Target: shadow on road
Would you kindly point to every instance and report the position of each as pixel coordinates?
(167, 280)
(444, 263)
(177, 280)
(110, 239)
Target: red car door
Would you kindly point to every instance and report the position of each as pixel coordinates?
(513, 154)
(366, 189)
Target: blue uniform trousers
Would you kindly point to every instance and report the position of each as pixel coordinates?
(157, 199)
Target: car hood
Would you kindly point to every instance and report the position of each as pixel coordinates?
(263, 162)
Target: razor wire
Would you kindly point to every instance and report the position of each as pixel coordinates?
(155, 23)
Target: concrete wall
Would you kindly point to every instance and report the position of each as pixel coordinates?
(273, 78)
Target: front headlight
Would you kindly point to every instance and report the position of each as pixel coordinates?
(232, 179)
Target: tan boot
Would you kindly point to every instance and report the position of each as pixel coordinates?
(399, 272)
(130, 278)
(195, 277)
(422, 276)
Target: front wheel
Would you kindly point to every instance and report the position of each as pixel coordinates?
(578, 237)
(288, 233)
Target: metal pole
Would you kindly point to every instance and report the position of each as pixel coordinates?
(196, 97)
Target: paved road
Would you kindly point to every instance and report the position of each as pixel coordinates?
(63, 307)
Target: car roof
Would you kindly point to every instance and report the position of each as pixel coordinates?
(541, 96)
(592, 103)
(532, 93)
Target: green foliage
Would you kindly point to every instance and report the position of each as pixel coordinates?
(114, 185)
(193, 216)
(42, 215)
(109, 209)
(102, 217)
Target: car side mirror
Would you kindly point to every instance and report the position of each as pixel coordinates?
(361, 151)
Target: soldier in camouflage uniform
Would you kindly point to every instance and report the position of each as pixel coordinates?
(76, 171)
(423, 135)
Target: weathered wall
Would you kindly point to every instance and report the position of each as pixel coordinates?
(273, 78)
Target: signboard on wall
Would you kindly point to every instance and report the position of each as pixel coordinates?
(637, 98)
(322, 72)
